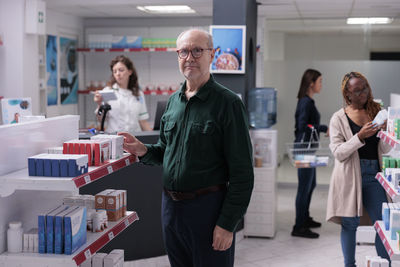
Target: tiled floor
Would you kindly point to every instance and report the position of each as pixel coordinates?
(284, 250)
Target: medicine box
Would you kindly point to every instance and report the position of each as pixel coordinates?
(98, 259)
(42, 229)
(57, 165)
(59, 230)
(117, 142)
(75, 230)
(50, 223)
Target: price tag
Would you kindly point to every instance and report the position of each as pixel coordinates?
(126, 162)
(111, 235)
(88, 254)
(110, 169)
(126, 223)
(87, 179)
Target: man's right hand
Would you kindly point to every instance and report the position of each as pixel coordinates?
(133, 145)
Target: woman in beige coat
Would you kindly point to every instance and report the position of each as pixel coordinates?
(358, 153)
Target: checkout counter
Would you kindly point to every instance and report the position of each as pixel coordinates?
(143, 239)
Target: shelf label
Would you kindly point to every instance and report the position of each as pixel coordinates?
(111, 235)
(126, 223)
(127, 162)
(109, 169)
(87, 179)
(88, 254)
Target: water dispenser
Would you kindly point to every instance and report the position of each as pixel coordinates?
(262, 107)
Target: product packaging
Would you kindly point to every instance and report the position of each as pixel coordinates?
(75, 230)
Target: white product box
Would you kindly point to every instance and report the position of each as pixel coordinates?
(117, 142)
(98, 259)
(365, 234)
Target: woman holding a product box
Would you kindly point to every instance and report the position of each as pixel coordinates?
(128, 111)
(307, 114)
(358, 154)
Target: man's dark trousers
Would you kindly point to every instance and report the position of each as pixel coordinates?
(188, 227)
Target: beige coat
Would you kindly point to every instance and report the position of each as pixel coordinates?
(345, 193)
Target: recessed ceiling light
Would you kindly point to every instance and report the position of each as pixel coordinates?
(381, 20)
(182, 9)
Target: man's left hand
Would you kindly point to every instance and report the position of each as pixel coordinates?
(222, 239)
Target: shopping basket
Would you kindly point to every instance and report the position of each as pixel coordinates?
(310, 154)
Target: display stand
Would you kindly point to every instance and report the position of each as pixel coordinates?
(95, 241)
(391, 246)
(24, 197)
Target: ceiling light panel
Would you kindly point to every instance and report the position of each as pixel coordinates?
(168, 9)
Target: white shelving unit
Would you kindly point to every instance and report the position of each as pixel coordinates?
(389, 140)
(394, 194)
(95, 241)
(260, 219)
(391, 246)
(23, 197)
(20, 180)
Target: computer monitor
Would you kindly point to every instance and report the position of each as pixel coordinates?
(161, 105)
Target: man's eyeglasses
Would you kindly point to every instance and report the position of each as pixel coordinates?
(362, 91)
(196, 52)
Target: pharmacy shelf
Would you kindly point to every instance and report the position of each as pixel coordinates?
(391, 246)
(20, 180)
(95, 241)
(395, 143)
(145, 92)
(144, 49)
(392, 192)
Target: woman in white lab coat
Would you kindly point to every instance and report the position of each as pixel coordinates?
(128, 112)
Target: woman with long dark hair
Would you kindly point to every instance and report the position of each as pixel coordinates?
(128, 112)
(358, 157)
(307, 114)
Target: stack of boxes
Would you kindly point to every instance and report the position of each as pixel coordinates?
(393, 122)
(376, 261)
(391, 171)
(57, 165)
(62, 230)
(114, 259)
(113, 202)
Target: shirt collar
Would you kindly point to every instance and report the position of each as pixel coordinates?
(203, 92)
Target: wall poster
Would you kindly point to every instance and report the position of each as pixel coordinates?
(230, 49)
(51, 70)
(68, 71)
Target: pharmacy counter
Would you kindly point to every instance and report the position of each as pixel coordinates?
(144, 186)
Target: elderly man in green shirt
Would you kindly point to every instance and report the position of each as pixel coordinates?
(206, 153)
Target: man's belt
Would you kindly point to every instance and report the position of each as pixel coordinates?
(178, 196)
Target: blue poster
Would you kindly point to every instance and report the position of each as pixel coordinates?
(68, 71)
(51, 70)
(229, 45)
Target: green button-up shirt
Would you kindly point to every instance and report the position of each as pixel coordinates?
(205, 141)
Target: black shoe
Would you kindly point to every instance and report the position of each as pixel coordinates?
(310, 223)
(304, 232)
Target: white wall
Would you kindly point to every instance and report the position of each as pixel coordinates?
(17, 76)
(63, 25)
(288, 55)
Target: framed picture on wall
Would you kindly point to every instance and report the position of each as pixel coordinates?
(230, 48)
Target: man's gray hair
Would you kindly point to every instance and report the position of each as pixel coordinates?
(209, 36)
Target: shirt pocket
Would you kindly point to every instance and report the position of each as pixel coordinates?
(169, 130)
(202, 135)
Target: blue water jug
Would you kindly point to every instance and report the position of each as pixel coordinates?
(262, 107)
